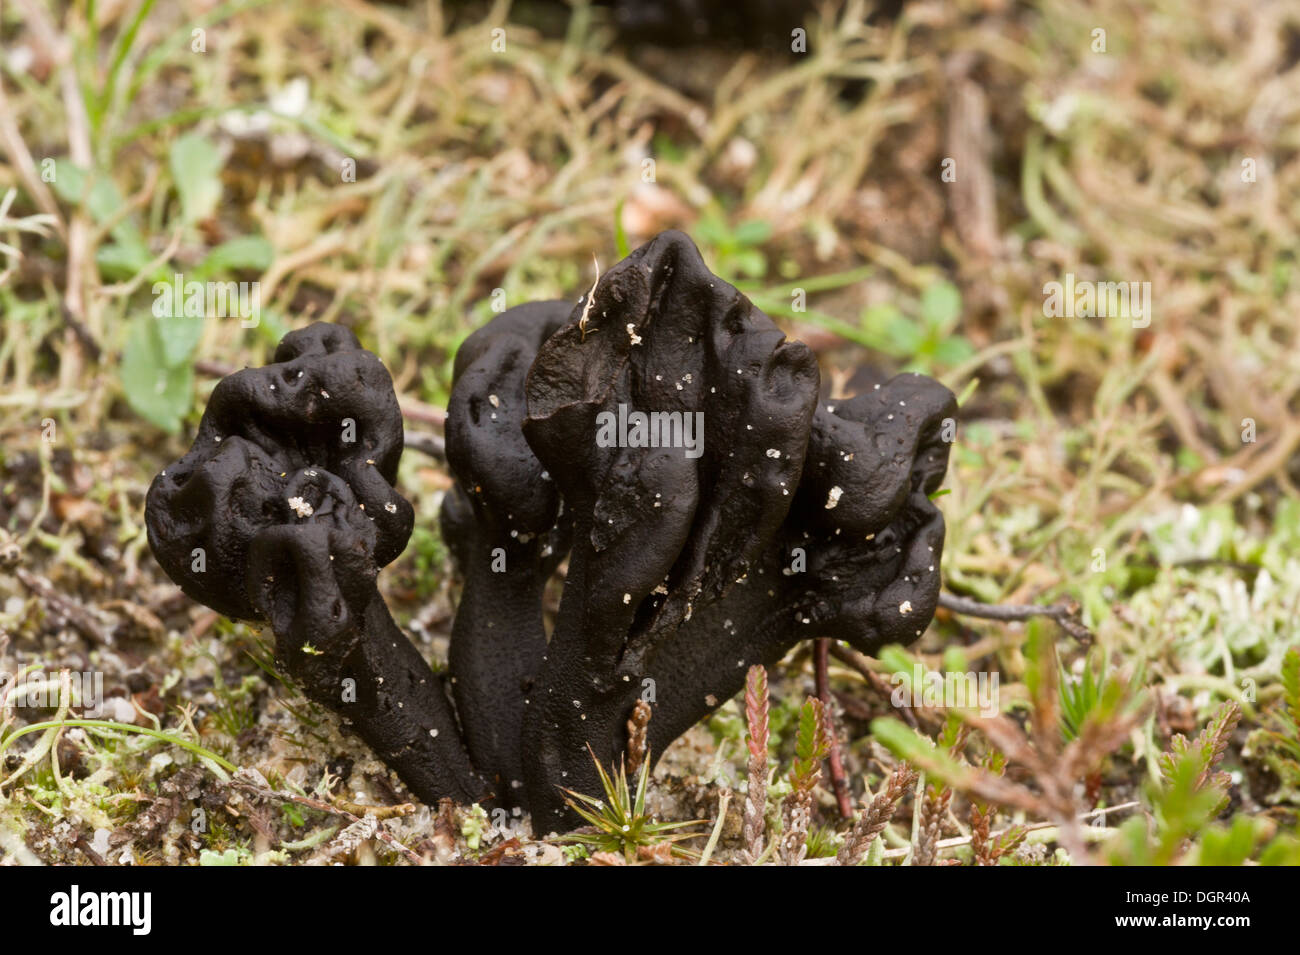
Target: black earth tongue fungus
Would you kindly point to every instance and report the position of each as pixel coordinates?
(678, 577)
(504, 521)
(315, 582)
(284, 510)
(718, 514)
(659, 531)
(857, 558)
(325, 402)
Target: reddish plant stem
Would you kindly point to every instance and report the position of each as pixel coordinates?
(840, 785)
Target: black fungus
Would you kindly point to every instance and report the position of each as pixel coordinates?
(662, 435)
(693, 561)
(504, 524)
(283, 511)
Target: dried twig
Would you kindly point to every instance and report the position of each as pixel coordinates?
(1065, 613)
(430, 444)
(77, 615)
(839, 784)
(251, 784)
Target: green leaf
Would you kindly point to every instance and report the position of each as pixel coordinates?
(940, 306)
(876, 854)
(1291, 683)
(103, 201)
(272, 327)
(899, 739)
(891, 331)
(897, 661)
(196, 169)
(178, 336)
(124, 261)
(1223, 845)
(952, 350)
(806, 739)
(711, 230)
(751, 263)
(209, 858)
(1284, 850)
(811, 744)
(1079, 699)
(620, 234)
(121, 49)
(159, 393)
(752, 232)
(1040, 655)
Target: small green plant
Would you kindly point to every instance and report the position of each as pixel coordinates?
(1191, 793)
(157, 371)
(474, 827)
(757, 708)
(293, 814)
(734, 252)
(235, 712)
(926, 340)
(1277, 742)
(1037, 748)
(575, 852)
(1079, 697)
(812, 744)
(430, 558)
(619, 823)
(823, 842)
(810, 747)
(232, 857)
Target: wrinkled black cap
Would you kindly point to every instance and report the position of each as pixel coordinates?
(271, 443)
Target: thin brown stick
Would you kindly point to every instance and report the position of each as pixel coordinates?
(858, 663)
(429, 444)
(1065, 613)
(839, 784)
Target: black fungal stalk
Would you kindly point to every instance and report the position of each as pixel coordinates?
(664, 436)
(503, 520)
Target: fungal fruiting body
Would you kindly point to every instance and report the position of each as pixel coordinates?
(283, 511)
(690, 557)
